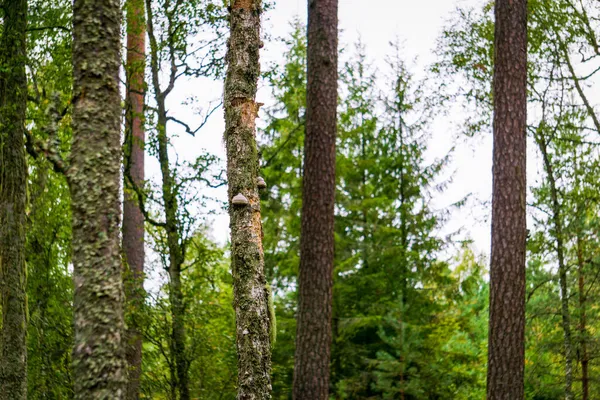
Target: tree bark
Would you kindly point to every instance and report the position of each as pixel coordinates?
(313, 336)
(94, 178)
(13, 197)
(133, 219)
(247, 258)
(506, 346)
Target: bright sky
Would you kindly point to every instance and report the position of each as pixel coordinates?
(417, 25)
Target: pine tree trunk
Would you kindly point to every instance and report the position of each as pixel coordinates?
(506, 346)
(94, 177)
(133, 220)
(313, 337)
(247, 258)
(13, 197)
(562, 268)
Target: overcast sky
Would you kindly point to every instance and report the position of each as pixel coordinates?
(377, 22)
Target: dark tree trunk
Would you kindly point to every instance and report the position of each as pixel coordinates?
(133, 219)
(506, 347)
(313, 337)
(94, 177)
(251, 302)
(13, 197)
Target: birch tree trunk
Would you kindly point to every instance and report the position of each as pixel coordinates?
(250, 290)
(94, 177)
(13, 197)
(133, 219)
(313, 337)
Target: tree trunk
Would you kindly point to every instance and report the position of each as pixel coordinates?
(313, 337)
(247, 258)
(172, 222)
(506, 346)
(585, 380)
(133, 219)
(562, 268)
(94, 177)
(13, 197)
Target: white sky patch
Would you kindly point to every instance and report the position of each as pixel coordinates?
(377, 22)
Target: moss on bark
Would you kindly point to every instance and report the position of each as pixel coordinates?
(94, 177)
(250, 296)
(13, 189)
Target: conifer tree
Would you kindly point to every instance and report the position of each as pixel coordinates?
(315, 283)
(133, 219)
(506, 350)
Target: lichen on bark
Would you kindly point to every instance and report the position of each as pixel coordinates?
(13, 197)
(250, 296)
(94, 178)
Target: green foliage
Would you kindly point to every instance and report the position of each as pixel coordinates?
(209, 320)
(398, 309)
(560, 121)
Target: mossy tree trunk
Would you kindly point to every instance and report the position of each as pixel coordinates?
(313, 337)
(133, 219)
(247, 258)
(506, 345)
(13, 189)
(94, 178)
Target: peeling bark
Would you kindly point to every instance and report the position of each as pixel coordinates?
(13, 197)
(506, 345)
(98, 355)
(250, 289)
(313, 337)
(133, 219)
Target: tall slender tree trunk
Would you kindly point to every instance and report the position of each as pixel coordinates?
(247, 258)
(313, 337)
(562, 268)
(172, 222)
(506, 345)
(133, 219)
(94, 178)
(13, 189)
(585, 380)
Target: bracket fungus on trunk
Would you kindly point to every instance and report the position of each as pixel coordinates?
(240, 200)
(260, 183)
